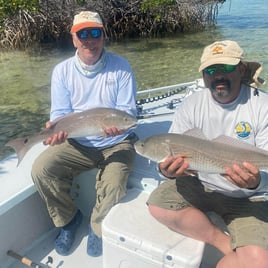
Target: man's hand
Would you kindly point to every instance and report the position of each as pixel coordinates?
(247, 176)
(112, 131)
(173, 167)
(56, 138)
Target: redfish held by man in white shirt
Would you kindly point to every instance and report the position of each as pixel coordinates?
(92, 122)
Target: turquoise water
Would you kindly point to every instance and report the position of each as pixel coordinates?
(25, 75)
(159, 62)
(246, 21)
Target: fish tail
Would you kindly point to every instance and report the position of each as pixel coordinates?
(21, 147)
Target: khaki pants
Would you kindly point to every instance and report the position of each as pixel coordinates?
(54, 170)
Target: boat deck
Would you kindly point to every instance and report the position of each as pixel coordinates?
(43, 250)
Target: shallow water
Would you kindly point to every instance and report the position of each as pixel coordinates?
(25, 75)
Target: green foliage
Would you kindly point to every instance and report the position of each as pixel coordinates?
(155, 4)
(156, 7)
(11, 7)
(24, 22)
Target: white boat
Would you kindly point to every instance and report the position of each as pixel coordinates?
(131, 237)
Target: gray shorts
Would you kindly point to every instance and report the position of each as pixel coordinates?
(246, 221)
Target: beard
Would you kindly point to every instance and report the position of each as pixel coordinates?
(221, 88)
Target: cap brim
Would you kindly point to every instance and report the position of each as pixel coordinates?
(76, 28)
(223, 60)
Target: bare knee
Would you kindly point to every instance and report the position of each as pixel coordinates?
(253, 256)
(159, 214)
(170, 218)
(155, 211)
(246, 257)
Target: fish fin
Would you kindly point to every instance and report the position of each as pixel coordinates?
(172, 154)
(238, 144)
(21, 147)
(168, 151)
(196, 132)
(185, 155)
(104, 133)
(191, 172)
(47, 131)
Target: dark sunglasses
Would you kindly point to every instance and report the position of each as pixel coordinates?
(223, 68)
(84, 33)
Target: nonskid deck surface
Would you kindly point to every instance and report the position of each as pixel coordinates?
(43, 251)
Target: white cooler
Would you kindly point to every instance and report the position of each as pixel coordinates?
(132, 238)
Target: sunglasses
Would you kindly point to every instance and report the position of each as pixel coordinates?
(84, 33)
(223, 68)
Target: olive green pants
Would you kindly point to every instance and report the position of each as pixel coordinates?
(54, 170)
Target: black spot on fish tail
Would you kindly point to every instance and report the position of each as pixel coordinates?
(21, 147)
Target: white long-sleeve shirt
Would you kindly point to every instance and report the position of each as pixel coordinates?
(114, 86)
(246, 118)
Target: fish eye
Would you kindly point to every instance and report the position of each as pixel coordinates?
(25, 141)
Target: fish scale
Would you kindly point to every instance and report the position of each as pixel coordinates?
(209, 156)
(199, 158)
